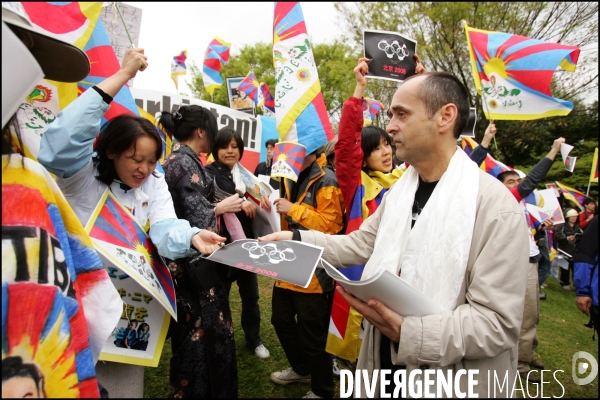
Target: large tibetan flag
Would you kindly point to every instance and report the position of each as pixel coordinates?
(178, 67)
(250, 86)
(301, 114)
(513, 73)
(216, 53)
(58, 303)
(575, 196)
(267, 103)
(594, 171)
(490, 164)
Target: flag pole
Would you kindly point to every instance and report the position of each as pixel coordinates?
(484, 101)
(587, 193)
(124, 24)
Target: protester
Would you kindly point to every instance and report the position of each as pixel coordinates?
(55, 289)
(467, 244)
(204, 359)
(125, 158)
(567, 236)
(300, 315)
(589, 207)
(521, 188)
(264, 168)
(227, 150)
(585, 277)
(365, 172)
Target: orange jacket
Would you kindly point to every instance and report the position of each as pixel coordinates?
(320, 206)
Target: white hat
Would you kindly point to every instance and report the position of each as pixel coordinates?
(29, 54)
(571, 213)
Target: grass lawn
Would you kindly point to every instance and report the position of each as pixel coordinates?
(561, 333)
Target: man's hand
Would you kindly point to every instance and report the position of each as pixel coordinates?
(419, 69)
(490, 132)
(384, 319)
(283, 206)
(584, 303)
(555, 148)
(274, 237)
(207, 242)
(249, 208)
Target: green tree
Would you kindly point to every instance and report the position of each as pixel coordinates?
(334, 61)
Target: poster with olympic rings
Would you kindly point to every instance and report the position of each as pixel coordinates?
(391, 55)
(287, 260)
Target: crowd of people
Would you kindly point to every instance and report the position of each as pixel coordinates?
(452, 231)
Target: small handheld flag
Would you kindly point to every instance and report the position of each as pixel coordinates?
(249, 85)
(178, 67)
(267, 104)
(287, 160)
(370, 109)
(216, 53)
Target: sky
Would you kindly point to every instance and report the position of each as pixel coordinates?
(191, 26)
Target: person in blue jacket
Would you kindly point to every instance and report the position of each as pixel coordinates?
(585, 276)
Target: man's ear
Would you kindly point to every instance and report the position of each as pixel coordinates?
(447, 116)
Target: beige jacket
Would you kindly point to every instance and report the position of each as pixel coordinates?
(482, 331)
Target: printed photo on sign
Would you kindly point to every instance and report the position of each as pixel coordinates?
(238, 100)
(391, 55)
(289, 261)
(140, 334)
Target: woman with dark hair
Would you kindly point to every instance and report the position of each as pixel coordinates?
(227, 150)
(204, 360)
(127, 152)
(365, 172)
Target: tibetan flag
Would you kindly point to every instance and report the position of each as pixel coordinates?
(370, 109)
(58, 303)
(573, 195)
(249, 85)
(104, 64)
(178, 67)
(118, 236)
(267, 103)
(489, 165)
(287, 160)
(301, 114)
(513, 73)
(216, 53)
(594, 171)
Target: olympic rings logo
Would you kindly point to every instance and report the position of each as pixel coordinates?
(256, 251)
(393, 49)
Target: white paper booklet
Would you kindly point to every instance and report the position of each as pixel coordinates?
(390, 289)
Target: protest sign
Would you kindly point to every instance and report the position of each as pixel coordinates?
(141, 278)
(253, 130)
(569, 161)
(288, 260)
(238, 100)
(391, 55)
(552, 206)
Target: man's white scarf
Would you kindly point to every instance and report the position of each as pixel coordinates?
(433, 255)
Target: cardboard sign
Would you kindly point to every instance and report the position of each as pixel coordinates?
(391, 55)
(141, 277)
(286, 260)
(238, 100)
